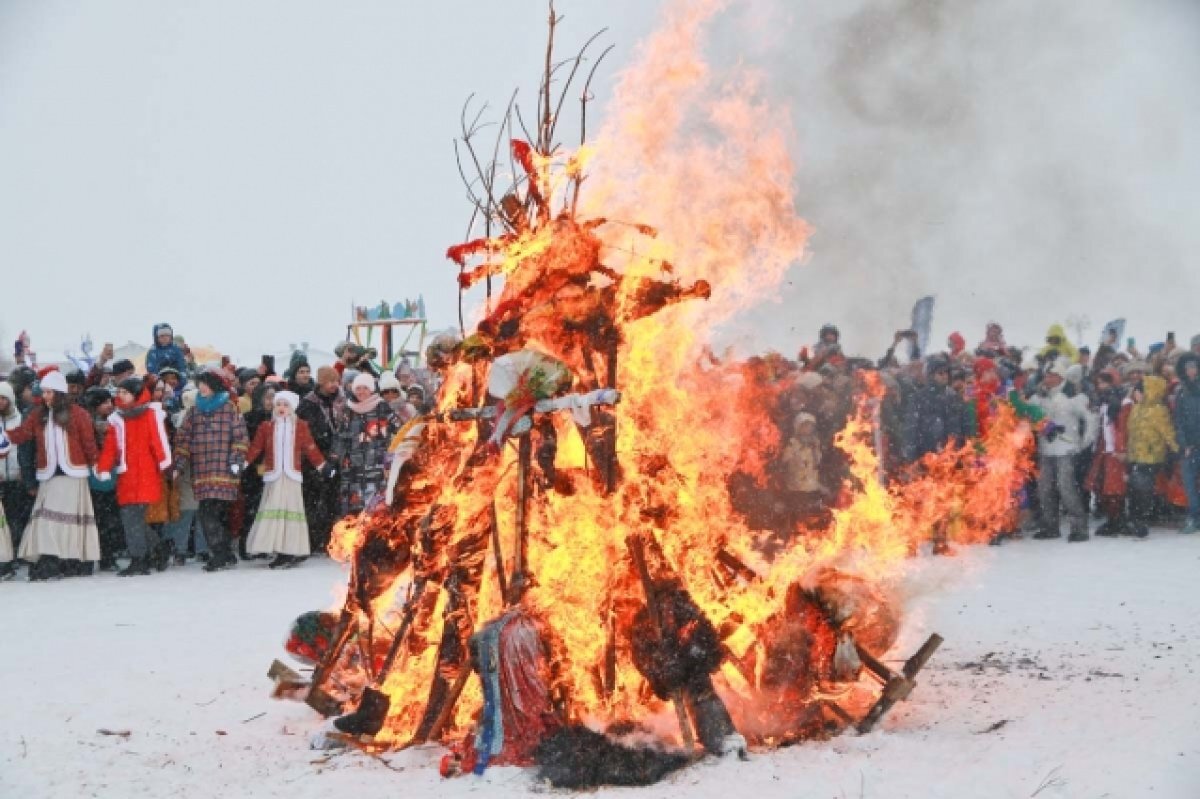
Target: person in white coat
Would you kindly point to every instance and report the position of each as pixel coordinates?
(1069, 428)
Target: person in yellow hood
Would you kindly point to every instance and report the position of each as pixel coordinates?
(1151, 437)
(1058, 346)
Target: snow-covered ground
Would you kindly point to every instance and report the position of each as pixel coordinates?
(1068, 671)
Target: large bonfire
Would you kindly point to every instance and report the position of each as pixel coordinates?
(574, 483)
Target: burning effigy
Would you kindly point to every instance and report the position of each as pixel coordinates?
(560, 573)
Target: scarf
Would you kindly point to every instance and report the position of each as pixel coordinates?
(210, 405)
(366, 406)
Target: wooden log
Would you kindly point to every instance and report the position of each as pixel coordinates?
(897, 687)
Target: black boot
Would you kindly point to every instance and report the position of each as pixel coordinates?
(161, 556)
(222, 558)
(1043, 535)
(369, 717)
(108, 563)
(137, 566)
(1140, 530)
(1107, 530)
(8, 570)
(280, 562)
(46, 567)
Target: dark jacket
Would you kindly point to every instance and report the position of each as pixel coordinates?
(159, 358)
(1187, 405)
(934, 419)
(321, 413)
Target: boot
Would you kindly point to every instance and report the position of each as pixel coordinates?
(8, 570)
(108, 563)
(1045, 535)
(1189, 527)
(137, 566)
(1077, 536)
(1140, 530)
(45, 568)
(161, 556)
(280, 562)
(368, 718)
(221, 559)
(1107, 530)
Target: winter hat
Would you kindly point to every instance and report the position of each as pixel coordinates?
(45, 370)
(246, 374)
(326, 373)
(349, 376)
(162, 327)
(54, 381)
(388, 382)
(299, 358)
(290, 398)
(132, 385)
(213, 380)
(339, 349)
(1074, 374)
(957, 342)
(94, 397)
(6, 391)
(983, 366)
(170, 370)
(122, 366)
(363, 380)
(1134, 366)
(1057, 368)
(76, 377)
(418, 390)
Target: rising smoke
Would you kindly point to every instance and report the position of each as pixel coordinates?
(1024, 161)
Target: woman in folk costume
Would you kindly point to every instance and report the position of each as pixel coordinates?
(280, 525)
(136, 448)
(62, 534)
(212, 440)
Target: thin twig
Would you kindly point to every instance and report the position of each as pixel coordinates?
(1051, 780)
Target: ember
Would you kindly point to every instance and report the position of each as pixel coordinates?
(567, 523)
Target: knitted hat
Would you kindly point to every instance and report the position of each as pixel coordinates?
(54, 381)
(388, 382)
(76, 377)
(326, 373)
(122, 366)
(363, 380)
(1134, 366)
(290, 398)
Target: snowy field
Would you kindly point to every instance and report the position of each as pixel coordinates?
(1068, 671)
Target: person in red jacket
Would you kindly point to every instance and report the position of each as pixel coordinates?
(280, 525)
(62, 538)
(136, 449)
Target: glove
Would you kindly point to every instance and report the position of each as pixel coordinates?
(235, 469)
(328, 471)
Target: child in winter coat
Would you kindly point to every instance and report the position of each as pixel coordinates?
(136, 449)
(280, 525)
(1150, 436)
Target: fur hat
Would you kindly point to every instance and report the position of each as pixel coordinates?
(1134, 366)
(363, 379)
(388, 382)
(54, 381)
(326, 373)
(290, 398)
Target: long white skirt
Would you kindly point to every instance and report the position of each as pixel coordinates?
(63, 523)
(280, 526)
(6, 553)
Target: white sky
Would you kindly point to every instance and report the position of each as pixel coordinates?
(245, 169)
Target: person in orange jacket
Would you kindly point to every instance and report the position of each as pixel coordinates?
(136, 448)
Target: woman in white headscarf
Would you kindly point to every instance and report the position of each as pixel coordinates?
(280, 525)
(62, 539)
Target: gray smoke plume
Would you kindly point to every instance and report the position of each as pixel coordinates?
(1024, 161)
